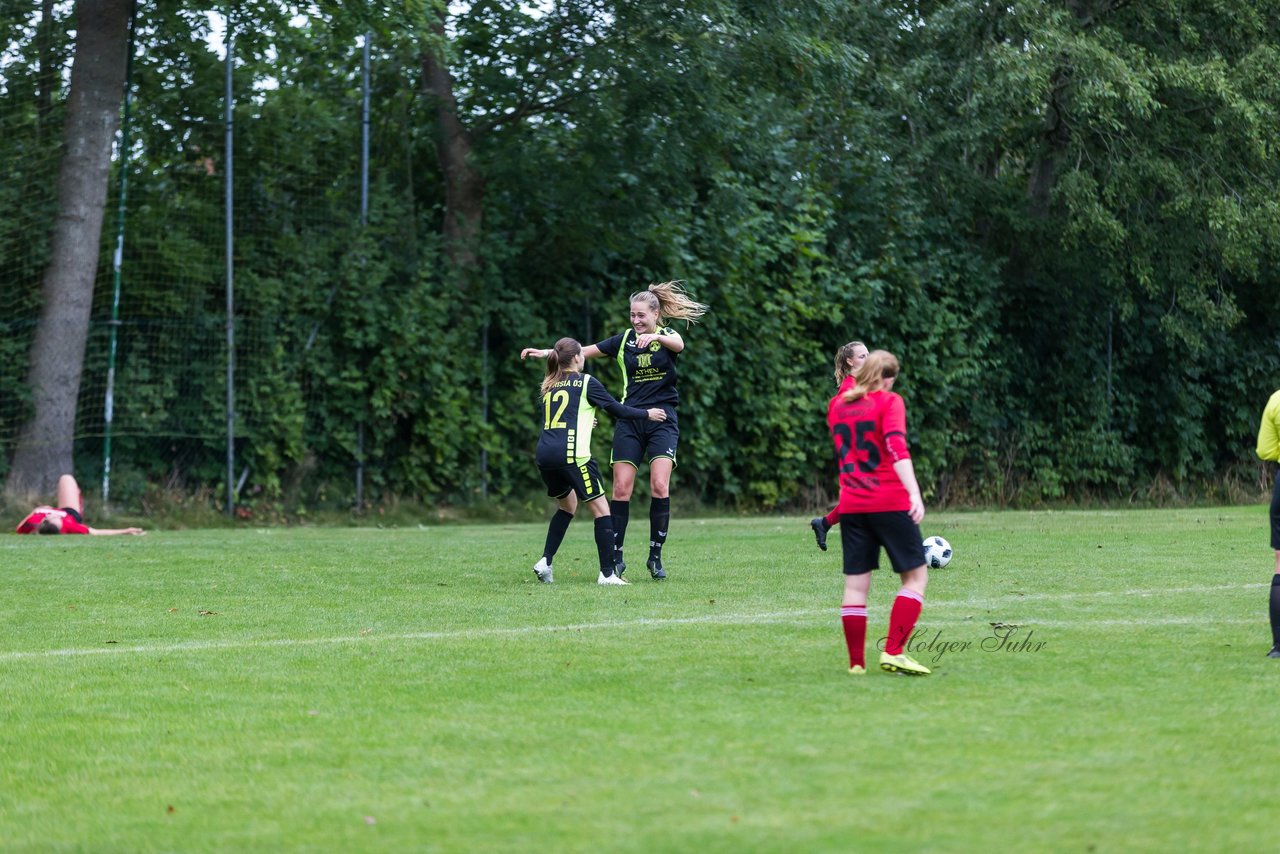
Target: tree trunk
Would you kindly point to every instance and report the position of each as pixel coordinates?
(1054, 140)
(1056, 136)
(44, 449)
(463, 186)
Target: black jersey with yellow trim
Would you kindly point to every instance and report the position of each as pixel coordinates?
(568, 414)
(648, 373)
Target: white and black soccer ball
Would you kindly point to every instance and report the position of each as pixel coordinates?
(937, 552)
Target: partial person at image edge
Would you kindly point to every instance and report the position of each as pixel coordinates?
(1269, 449)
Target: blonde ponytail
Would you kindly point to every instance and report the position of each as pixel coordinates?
(670, 300)
(879, 366)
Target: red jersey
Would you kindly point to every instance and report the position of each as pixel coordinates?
(31, 524)
(870, 435)
(846, 384)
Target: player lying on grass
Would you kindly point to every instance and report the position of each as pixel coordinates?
(67, 517)
(569, 399)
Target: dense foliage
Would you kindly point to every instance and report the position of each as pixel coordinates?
(1062, 215)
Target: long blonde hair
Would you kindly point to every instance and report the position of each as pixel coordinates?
(843, 357)
(669, 299)
(879, 366)
(558, 363)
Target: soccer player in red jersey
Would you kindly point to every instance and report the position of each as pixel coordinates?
(880, 506)
(67, 517)
(848, 359)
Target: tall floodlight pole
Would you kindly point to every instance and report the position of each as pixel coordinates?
(231, 304)
(364, 221)
(364, 137)
(117, 260)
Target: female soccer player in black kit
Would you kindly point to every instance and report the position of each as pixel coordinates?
(646, 353)
(563, 455)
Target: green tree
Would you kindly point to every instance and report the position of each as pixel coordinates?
(44, 449)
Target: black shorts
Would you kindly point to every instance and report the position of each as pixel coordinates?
(73, 513)
(862, 535)
(635, 440)
(585, 480)
(1275, 514)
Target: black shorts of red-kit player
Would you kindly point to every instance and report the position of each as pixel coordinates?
(863, 534)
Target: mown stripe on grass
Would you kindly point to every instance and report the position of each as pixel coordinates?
(643, 622)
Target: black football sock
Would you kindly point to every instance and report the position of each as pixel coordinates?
(604, 544)
(621, 512)
(1275, 610)
(659, 522)
(555, 533)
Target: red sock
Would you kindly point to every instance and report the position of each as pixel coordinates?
(854, 620)
(902, 620)
(833, 518)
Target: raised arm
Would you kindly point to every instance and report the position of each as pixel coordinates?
(668, 338)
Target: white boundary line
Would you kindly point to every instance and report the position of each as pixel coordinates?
(459, 634)
(644, 622)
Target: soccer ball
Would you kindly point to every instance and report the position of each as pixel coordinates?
(937, 552)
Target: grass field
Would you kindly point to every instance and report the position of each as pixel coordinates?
(415, 689)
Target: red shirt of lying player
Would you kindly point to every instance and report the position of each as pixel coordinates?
(66, 517)
(49, 517)
(870, 435)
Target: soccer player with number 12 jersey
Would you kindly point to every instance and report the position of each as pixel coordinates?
(569, 399)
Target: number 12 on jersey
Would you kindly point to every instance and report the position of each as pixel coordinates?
(554, 422)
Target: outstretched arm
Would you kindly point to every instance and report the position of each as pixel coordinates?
(588, 352)
(598, 396)
(111, 532)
